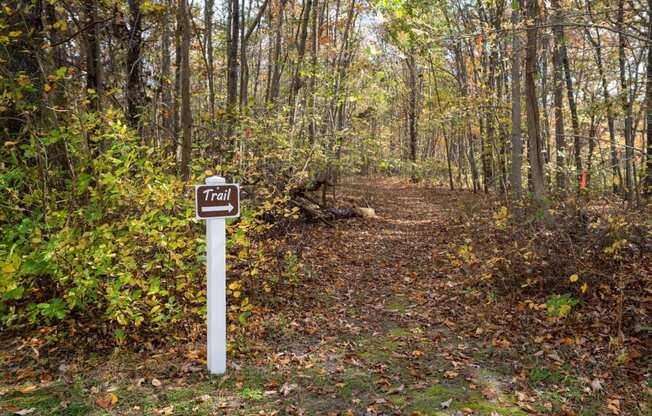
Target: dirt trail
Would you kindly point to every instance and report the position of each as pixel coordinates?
(384, 331)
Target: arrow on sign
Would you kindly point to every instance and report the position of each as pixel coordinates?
(217, 209)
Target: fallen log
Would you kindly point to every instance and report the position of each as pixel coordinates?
(326, 214)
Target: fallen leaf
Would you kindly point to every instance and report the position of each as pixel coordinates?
(287, 388)
(451, 374)
(446, 404)
(614, 406)
(24, 411)
(168, 410)
(596, 385)
(107, 402)
(488, 393)
(156, 382)
(396, 390)
(27, 389)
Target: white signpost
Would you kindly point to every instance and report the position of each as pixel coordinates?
(216, 201)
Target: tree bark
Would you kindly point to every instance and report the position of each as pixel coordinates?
(626, 105)
(617, 177)
(232, 58)
(166, 76)
(93, 63)
(275, 81)
(558, 93)
(301, 49)
(208, 40)
(536, 163)
(186, 116)
(134, 91)
(412, 112)
(516, 136)
(648, 104)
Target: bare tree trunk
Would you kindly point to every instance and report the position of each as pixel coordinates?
(558, 92)
(516, 139)
(134, 91)
(570, 94)
(412, 112)
(176, 122)
(232, 58)
(93, 67)
(164, 83)
(312, 127)
(244, 63)
(536, 164)
(301, 49)
(617, 177)
(186, 116)
(648, 104)
(274, 88)
(627, 106)
(208, 39)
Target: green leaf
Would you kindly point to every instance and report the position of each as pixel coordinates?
(83, 180)
(14, 294)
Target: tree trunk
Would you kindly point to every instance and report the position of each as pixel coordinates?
(186, 116)
(134, 64)
(516, 139)
(570, 93)
(412, 112)
(536, 163)
(301, 49)
(626, 104)
(232, 58)
(275, 81)
(93, 66)
(208, 39)
(166, 92)
(176, 122)
(617, 177)
(558, 93)
(648, 104)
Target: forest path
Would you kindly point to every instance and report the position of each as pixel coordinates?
(383, 329)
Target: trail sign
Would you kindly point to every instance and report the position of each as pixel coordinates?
(217, 201)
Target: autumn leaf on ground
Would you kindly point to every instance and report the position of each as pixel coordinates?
(156, 382)
(287, 388)
(107, 402)
(168, 410)
(446, 404)
(489, 393)
(28, 388)
(451, 374)
(23, 412)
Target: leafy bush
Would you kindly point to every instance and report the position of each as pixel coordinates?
(110, 243)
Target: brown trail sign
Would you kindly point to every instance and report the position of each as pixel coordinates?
(217, 201)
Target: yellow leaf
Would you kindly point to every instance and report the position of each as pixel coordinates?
(15, 33)
(584, 288)
(574, 278)
(8, 268)
(28, 388)
(564, 310)
(234, 285)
